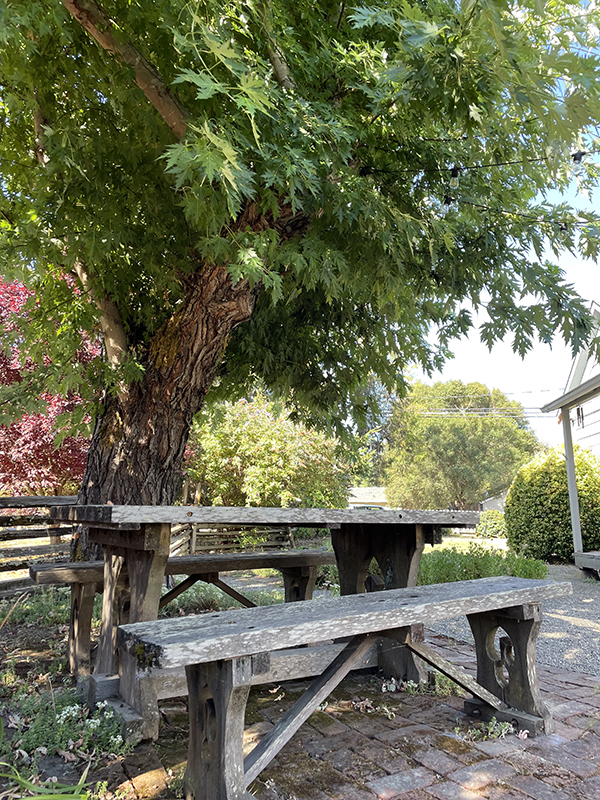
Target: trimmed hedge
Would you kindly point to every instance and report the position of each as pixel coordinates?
(491, 525)
(537, 512)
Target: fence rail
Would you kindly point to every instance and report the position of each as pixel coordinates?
(27, 538)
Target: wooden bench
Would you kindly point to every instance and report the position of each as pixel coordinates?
(225, 653)
(298, 568)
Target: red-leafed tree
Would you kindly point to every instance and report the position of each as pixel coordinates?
(35, 456)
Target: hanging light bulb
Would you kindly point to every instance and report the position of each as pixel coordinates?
(454, 173)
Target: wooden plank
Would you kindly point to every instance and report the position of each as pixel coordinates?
(94, 516)
(88, 571)
(319, 690)
(6, 521)
(286, 665)
(296, 517)
(229, 634)
(41, 501)
(224, 562)
(72, 572)
(35, 550)
(14, 564)
(15, 534)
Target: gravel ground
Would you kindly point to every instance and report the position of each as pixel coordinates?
(570, 634)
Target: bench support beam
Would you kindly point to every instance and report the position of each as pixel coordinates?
(317, 692)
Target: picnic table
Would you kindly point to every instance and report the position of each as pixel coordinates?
(138, 537)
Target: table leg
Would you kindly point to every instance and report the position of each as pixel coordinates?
(397, 550)
(145, 573)
(146, 569)
(353, 554)
(114, 559)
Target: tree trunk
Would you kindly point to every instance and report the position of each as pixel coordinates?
(137, 449)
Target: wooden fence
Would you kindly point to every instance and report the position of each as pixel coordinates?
(28, 535)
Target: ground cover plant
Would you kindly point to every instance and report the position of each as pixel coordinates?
(44, 721)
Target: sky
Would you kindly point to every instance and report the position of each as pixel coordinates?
(542, 375)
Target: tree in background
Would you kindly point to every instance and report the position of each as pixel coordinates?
(453, 444)
(307, 193)
(253, 454)
(34, 457)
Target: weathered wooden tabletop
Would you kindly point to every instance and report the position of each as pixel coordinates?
(132, 517)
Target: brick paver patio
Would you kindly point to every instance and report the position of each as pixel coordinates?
(411, 747)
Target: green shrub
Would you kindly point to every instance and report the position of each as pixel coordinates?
(450, 564)
(491, 525)
(537, 511)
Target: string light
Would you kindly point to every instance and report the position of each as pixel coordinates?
(456, 169)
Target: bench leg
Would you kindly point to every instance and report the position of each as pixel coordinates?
(80, 628)
(218, 692)
(299, 583)
(511, 673)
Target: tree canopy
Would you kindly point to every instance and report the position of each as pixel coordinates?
(252, 454)
(298, 192)
(453, 444)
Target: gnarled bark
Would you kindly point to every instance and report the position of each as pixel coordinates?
(139, 442)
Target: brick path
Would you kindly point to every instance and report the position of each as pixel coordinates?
(343, 753)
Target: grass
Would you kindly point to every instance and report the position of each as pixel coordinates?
(476, 561)
(202, 597)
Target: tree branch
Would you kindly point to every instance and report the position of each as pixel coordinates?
(111, 322)
(280, 68)
(98, 24)
(39, 123)
(276, 55)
